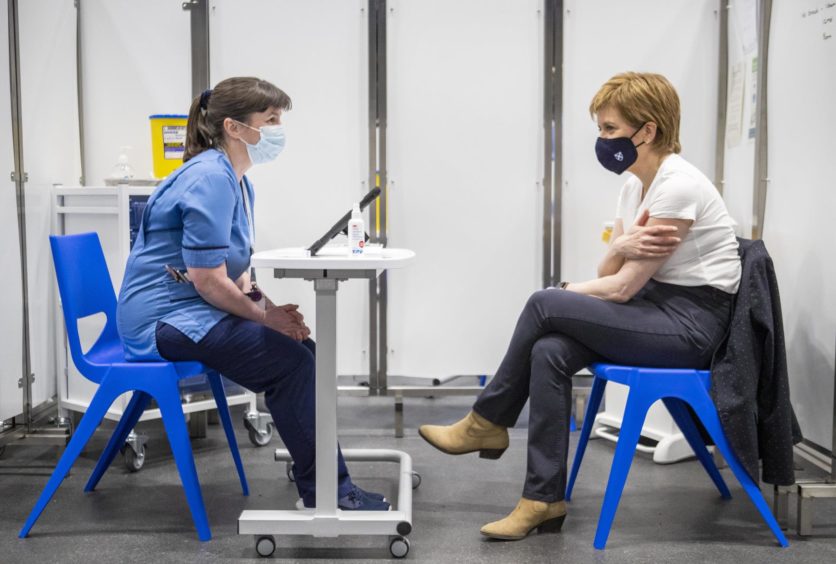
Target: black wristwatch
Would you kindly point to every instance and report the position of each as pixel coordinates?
(563, 284)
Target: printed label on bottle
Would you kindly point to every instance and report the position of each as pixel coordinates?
(356, 238)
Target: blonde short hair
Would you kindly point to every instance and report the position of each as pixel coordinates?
(641, 97)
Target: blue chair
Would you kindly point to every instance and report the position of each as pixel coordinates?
(678, 389)
(84, 284)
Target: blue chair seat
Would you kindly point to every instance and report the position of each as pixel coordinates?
(85, 288)
(678, 389)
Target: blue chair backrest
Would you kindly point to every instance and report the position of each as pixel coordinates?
(85, 288)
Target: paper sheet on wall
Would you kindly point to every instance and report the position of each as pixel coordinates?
(753, 108)
(734, 111)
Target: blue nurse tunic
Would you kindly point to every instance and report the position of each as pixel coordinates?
(195, 218)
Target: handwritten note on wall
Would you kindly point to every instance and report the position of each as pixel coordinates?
(824, 15)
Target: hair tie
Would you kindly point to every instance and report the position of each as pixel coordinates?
(204, 99)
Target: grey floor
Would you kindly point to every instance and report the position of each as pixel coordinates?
(667, 514)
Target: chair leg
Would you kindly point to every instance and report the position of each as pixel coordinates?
(87, 426)
(631, 426)
(708, 415)
(178, 436)
(595, 396)
(139, 401)
(223, 413)
(683, 419)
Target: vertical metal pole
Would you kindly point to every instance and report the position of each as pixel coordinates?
(199, 30)
(383, 305)
(20, 177)
(557, 118)
(722, 96)
(761, 134)
(378, 343)
(549, 133)
(326, 397)
(552, 139)
(79, 79)
(372, 181)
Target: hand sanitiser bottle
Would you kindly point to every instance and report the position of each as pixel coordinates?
(356, 232)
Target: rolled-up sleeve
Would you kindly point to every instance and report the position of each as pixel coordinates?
(207, 207)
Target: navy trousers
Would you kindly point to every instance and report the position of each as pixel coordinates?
(263, 360)
(559, 332)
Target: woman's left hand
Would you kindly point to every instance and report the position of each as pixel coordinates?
(644, 241)
(293, 311)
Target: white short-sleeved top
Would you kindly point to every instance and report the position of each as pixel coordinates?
(708, 255)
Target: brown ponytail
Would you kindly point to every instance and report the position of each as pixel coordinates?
(235, 98)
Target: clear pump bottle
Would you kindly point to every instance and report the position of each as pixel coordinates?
(356, 232)
(122, 170)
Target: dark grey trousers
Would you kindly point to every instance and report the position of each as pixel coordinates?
(560, 332)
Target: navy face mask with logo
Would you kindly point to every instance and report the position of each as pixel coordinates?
(617, 154)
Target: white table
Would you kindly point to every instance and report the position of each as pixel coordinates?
(331, 266)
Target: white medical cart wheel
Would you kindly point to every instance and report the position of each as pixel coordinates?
(416, 480)
(134, 461)
(260, 439)
(265, 546)
(399, 547)
(288, 469)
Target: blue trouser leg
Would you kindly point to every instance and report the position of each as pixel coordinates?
(263, 360)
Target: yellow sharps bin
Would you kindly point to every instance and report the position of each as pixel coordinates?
(168, 142)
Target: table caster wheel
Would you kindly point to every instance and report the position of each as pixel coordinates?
(416, 480)
(265, 546)
(134, 461)
(260, 439)
(288, 469)
(399, 547)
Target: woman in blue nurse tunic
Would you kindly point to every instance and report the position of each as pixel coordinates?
(187, 293)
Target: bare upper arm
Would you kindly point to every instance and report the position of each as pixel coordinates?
(635, 273)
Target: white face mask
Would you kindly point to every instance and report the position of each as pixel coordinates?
(269, 146)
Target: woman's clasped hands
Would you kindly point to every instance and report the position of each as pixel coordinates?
(287, 320)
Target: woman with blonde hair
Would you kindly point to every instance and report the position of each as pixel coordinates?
(662, 297)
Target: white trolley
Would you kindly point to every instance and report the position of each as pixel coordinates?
(327, 270)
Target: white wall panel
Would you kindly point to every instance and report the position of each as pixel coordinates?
(51, 155)
(137, 62)
(801, 201)
(11, 298)
(464, 148)
(604, 37)
(316, 51)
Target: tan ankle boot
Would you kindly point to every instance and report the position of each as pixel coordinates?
(472, 433)
(527, 516)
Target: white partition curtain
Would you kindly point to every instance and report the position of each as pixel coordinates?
(465, 169)
(317, 53)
